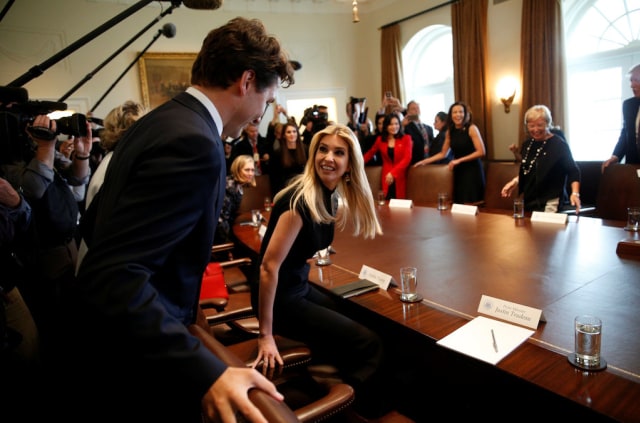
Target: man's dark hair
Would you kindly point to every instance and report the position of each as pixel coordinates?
(240, 45)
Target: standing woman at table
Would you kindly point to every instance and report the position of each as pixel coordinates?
(465, 141)
(302, 222)
(546, 164)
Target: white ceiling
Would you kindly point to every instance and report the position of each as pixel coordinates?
(285, 6)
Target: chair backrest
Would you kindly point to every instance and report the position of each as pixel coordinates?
(619, 188)
(424, 183)
(497, 175)
(590, 176)
(374, 175)
(253, 197)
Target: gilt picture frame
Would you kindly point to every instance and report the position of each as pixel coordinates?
(163, 75)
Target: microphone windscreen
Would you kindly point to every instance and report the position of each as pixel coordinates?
(13, 95)
(169, 30)
(295, 65)
(203, 4)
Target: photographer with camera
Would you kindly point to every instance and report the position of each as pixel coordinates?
(48, 251)
(315, 119)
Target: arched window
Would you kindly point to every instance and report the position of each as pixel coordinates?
(428, 70)
(602, 44)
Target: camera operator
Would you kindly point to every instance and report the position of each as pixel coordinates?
(315, 119)
(19, 340)
(49, 250)
(359, 123)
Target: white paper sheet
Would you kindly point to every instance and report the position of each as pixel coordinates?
(474, 339)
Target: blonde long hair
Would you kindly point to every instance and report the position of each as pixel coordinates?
(354, 190)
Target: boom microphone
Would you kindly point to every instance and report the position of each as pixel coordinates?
(168, 30)
(203, 4)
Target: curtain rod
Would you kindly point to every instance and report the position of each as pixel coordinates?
(446, 3)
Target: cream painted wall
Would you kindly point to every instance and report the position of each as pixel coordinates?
(337, 55)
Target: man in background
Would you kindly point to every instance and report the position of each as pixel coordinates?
(628, 146)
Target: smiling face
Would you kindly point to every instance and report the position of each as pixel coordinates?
(331, 160)
(394, 125)
(538, 128)
(458, 115)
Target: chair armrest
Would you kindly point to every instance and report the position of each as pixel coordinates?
(273, 410)
(338, 399)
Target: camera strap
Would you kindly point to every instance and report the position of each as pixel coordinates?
(41, 133)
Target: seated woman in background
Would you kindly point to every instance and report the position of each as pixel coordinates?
(241, 174)
(289, 160)
(546, 164)
(394, 147)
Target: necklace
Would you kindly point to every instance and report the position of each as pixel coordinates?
(533, 161)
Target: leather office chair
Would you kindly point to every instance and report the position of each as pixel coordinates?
(619, 188)
(424, 183)
(335, 400)
(228, 302)
(253, 197)
(497, 175)
(374, 177)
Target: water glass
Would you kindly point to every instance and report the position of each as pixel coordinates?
(267, 204)
(633, 219)
(409, 284)
(323, 257)
(518, 208)
(443, 201)
(588, 338)
(381, 200)
(255, 218)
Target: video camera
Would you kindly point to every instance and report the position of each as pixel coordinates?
(17, 111)
(316, 114)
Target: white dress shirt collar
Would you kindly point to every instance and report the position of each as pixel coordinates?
(199, 95)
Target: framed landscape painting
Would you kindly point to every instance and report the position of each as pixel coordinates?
(163, 75)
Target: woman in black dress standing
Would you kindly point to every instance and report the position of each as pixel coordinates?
(465, 141)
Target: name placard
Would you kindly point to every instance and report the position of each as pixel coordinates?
(464, 209)
(381, 279)
(262, 230)
(559, 218)
(401, 203)
(511, 312)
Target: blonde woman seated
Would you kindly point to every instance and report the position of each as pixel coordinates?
(241, 174)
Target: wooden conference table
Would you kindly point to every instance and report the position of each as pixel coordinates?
(564, 270)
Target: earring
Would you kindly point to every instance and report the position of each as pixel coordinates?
(347, 177)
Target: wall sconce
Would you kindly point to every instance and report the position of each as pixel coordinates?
(507, 102)
(506, 91)
(356, 18)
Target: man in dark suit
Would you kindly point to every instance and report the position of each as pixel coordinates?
(421, 133)
(255, 145)
(628, 145)
(129, 353)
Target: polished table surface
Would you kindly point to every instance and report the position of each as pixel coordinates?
(564, 270)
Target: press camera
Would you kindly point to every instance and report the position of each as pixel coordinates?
(16, 112)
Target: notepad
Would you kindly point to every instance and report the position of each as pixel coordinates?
(476, 339)
(355, 288)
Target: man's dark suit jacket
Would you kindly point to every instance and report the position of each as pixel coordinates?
(138, 286)
(417, 153)
(626, 146)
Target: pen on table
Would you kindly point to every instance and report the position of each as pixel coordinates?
(495, 344)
